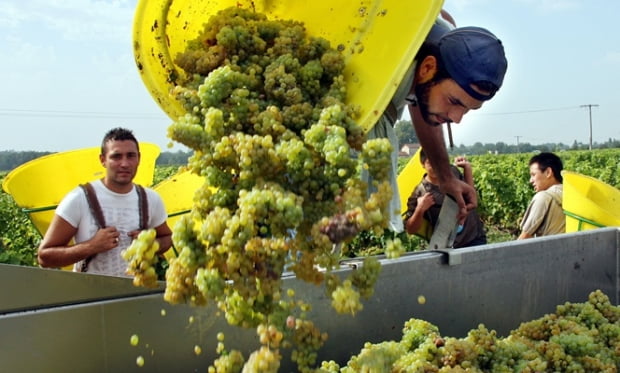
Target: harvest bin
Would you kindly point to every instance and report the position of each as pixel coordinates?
(59, 321)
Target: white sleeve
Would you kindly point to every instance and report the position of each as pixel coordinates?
(72, 207)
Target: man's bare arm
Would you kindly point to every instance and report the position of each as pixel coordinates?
(55, 250)
(432, 141)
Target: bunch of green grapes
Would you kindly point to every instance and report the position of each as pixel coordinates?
(141, 257)
(181, 286)
(306, 339)
(365, 276)
(280, 152)
(394, 248)
(346, 299)
(263, 360)
(376, 156)
(228, 361)
(578, 337)
(379, 357)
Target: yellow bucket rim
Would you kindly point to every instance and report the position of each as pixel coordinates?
(380, 39)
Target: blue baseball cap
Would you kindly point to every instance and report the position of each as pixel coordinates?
(473, 54)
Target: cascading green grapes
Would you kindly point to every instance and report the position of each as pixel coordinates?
(394, 248)
(280, 151)
(141, 257)
(346, 299)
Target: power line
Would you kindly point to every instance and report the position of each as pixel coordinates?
(533, 111)
(74, 114)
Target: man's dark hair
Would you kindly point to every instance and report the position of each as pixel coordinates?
(546, 160)
(431, 49)
(118, 134)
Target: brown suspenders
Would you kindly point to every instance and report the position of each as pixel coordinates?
(95, 210)
(93, 204)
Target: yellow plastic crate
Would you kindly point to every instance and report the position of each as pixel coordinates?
(589, 203)
(39, 185)
(380, 39)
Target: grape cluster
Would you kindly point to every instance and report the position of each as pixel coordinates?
(578, 337)
(364, 277)
(181, 285)
(280, 152)
(307, 339)
(228, 361)
(263, 360)
(394, 248)
(141, 257)
(345, 299)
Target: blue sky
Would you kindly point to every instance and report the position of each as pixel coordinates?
(561, 54)
(69, 75)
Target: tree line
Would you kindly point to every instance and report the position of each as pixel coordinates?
(10, 159)
(406, 135)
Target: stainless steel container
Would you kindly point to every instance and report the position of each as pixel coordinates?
(54, 321)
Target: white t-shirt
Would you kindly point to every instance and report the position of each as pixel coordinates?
(119, 210)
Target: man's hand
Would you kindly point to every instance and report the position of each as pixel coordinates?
(425, 201)
(134, 234)
(432, 141)
(464, 195)
(105, 239)
(462, 162)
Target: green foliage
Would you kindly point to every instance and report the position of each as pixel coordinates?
(19, 239)
(503, 184)
(163, 172)
(173, 158)
(9, 159)
(601, 164)
(405, 132)
(368, 243)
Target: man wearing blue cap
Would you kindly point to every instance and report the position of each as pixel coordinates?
(455, 71)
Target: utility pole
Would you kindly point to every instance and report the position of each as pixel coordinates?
(518, 151)
(589, 106)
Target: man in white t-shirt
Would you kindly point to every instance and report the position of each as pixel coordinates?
(75, 236)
